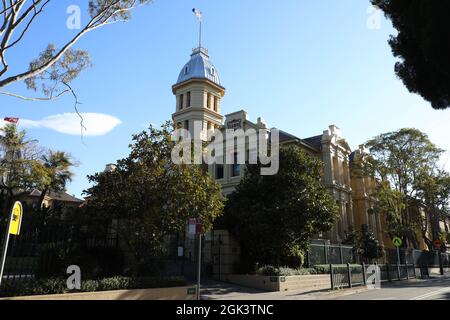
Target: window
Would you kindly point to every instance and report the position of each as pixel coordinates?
(216, 104)
(219, 171)
(208, 100)
(186, 124)
(188, 99)
(181, 101)
(212, 71)
(186, 69)
(236, 168)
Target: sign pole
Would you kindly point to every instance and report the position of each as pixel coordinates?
(398, 261)
(199, 264)
(5, 249)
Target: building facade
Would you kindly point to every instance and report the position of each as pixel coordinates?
(198, 93)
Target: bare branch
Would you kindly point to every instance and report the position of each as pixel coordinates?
(102, 18)
(6, 9)
(51, 98)
(36, 13)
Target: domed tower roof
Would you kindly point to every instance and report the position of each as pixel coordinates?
(199, 66)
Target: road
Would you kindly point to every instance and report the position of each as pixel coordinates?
(431, 289)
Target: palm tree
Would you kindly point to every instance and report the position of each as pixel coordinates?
(57, 165)
(15, 161)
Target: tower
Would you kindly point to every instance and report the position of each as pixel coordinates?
(198, 93)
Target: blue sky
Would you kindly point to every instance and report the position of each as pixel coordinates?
(301, 65)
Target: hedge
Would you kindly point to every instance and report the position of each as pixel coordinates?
(13, 288)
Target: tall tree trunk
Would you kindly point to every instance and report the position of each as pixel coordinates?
(42, 198)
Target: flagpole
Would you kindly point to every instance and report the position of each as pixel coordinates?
(200, 35)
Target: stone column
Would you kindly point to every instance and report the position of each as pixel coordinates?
(328, 164)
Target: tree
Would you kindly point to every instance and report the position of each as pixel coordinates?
(434, 193)
(18, 158)
(365, 244)
(55, 174)
(398, 160)
(152, 197)
(274, 217)
(25, 166)
(54, 68)
(422, 46)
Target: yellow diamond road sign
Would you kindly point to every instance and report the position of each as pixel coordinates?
(16, 218)
(397, 241)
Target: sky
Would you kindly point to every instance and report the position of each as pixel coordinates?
(301, 65)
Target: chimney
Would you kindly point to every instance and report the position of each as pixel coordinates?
(110, 167)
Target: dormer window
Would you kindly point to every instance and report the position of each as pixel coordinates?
(212, 70)
(186, 69)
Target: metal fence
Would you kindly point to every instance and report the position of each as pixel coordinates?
(326, 254)
(41, 249)
(350, 275)
(320, 254)
(417, 257)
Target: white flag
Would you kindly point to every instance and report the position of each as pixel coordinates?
(197, 13)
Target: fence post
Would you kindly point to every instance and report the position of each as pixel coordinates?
(325, 253)
(331, 277)
(441, 267)
(307, 258)
(364, 273)
(388, 272)
(340, 254)
(349, 274)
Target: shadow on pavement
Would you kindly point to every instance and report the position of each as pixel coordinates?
(216, 290)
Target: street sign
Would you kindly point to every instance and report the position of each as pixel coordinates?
(396, 241)
(16, 219)
(195, 226)
(437, 244)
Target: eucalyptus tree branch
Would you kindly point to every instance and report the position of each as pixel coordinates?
(101, 18)
(11, 94)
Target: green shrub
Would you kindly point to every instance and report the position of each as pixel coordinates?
(283, 271)
(267, 271)
(117, 283)
(90, 285)
(49, 286)
(58, 285)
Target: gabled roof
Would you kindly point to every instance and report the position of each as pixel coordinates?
(59, 196)
(287, 137)
(315, 141)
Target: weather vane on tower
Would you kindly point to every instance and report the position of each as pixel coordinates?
(198, 14)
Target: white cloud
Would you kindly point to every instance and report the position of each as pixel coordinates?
(96, 124)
